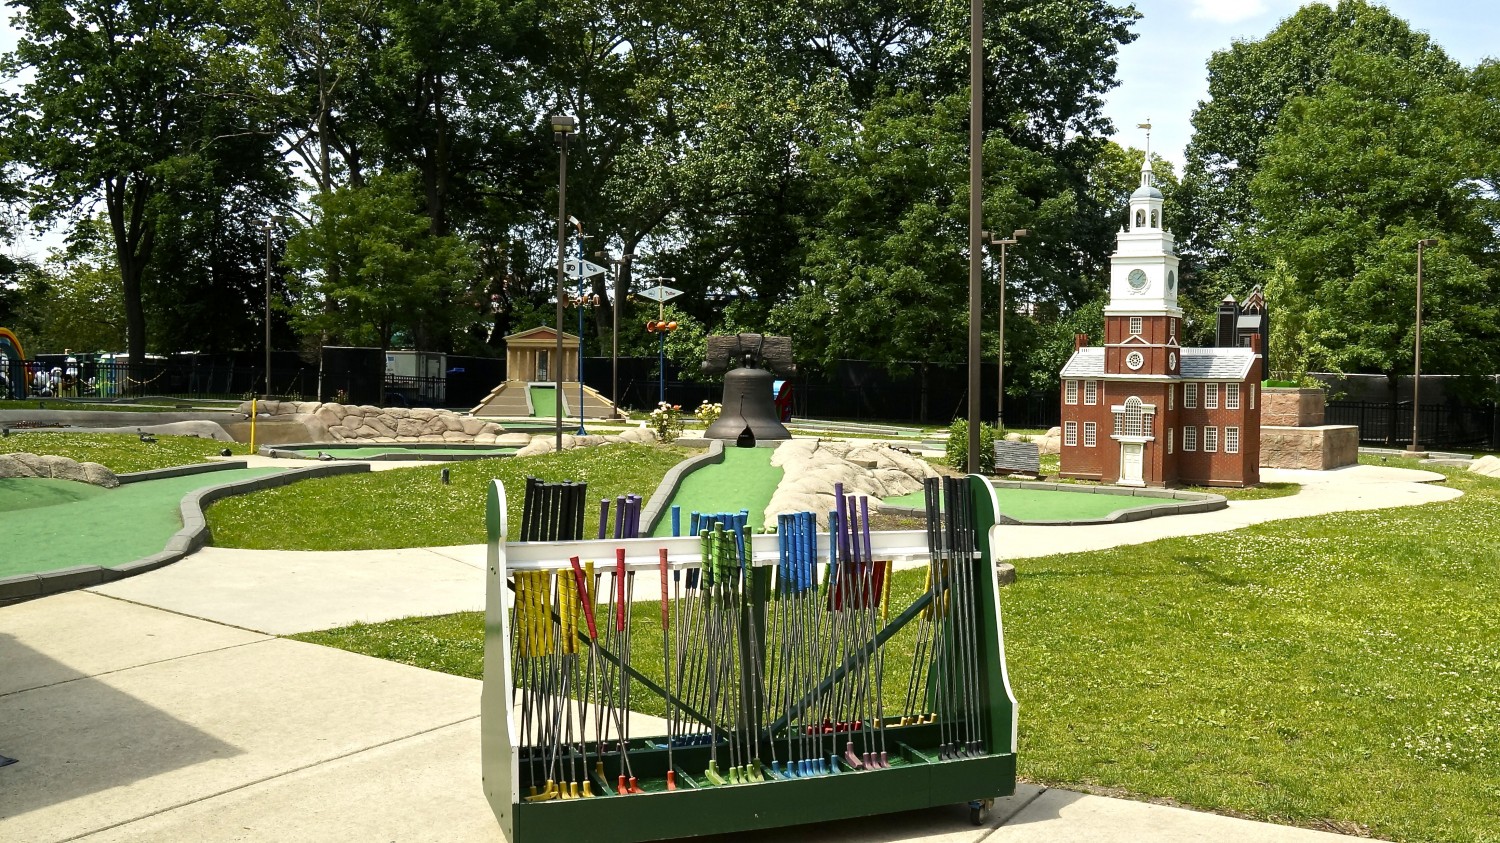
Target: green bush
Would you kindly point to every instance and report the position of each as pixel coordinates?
(957, 455)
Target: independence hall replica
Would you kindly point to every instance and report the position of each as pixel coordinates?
(1142, 410)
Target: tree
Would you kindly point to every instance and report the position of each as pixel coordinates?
(1249, 85)
(1384, 154)
(392, 272)
(127, 99)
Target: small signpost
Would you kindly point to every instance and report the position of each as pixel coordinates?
(661, 294)
(579, 269)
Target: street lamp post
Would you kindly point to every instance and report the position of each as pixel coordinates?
(1002, 242)
(563, 126)
(1416, 384)
(976, 208)
(271, 223)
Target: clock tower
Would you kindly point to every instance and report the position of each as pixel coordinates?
(1142, 320)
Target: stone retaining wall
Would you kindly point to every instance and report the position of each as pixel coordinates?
(1291, 407)
(363, 423)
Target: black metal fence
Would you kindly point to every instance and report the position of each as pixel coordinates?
(852, 390)
(1441, 425)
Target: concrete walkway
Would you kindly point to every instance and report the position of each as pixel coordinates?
(163, 707)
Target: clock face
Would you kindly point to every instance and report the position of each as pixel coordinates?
(1135, 360)
(1171, 280)
(1137, 280)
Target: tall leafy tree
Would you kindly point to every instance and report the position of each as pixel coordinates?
(1384, 154)
(1249, 85)
(126, 100)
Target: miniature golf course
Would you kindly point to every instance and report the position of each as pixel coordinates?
(544, 401)
(56, 524)
(1049, 505)
(744, 480)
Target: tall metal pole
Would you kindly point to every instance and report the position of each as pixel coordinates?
(269, 223)
(1000, 377)
(1416, 385)
(562, 244)
(976, 209)
(614, 339)
(581, 297)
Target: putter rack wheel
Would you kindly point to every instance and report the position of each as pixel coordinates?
(822, 671)
(979, 811)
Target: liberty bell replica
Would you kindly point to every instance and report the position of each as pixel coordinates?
(750, 413)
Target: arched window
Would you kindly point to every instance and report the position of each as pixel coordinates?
(1133, 416)
(1140, 219)
(1153, 220)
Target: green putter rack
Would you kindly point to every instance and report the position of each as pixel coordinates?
(926, 762)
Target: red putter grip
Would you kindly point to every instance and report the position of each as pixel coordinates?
(583, 596)
(620, 589)
(661, 558)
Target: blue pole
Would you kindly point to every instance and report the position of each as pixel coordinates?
(661, 367)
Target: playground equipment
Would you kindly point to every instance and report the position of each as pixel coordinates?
(12, 377)
(749, 394)
(794, 687)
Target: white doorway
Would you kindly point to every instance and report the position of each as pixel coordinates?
(1131, 463)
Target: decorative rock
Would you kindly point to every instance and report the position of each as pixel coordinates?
(378, 426)
(407, 439)
(456, 436)
(638, 435)
(812, 468)
(408, 427)
(430, 438)
(1487, 465)
(1005, 573)
(516, 440)
(56, 468)
(1050, 442)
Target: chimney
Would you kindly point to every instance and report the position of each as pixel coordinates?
(1080, 340)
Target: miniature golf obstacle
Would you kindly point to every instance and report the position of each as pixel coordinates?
(797, 684)
(749, 407)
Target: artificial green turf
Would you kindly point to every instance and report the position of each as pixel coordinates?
(744, 480)
(543, 401)
(119, 452)
(1049, 505)
(18, 493)
(409, 507)
(120, 526)
(1333, 672)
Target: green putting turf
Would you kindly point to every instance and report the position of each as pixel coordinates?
(110, 528)
(744, 480)
(544, 401)
(1048, 505)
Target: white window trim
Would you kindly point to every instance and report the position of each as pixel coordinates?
(1171, 396)
(1170, 431)
(1231, 396)
(1090, 434)
(1210, 439)
(1210, 396)
(1070, 434)
(1137, 325)
(1189, 438)
(1252, 396)
(1091, 392)
(1231, 440)
(1190, 396)
(1070, 392)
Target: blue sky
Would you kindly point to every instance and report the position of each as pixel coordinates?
(1163, 73)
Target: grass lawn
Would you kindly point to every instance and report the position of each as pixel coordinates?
(408, 507)
(119, 452)
(1336, 672)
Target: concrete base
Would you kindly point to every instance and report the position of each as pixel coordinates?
(1319, 448)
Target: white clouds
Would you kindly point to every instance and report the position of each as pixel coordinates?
(1236, 11)
(1227, 11)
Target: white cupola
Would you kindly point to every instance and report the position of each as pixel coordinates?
(1143, 269)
